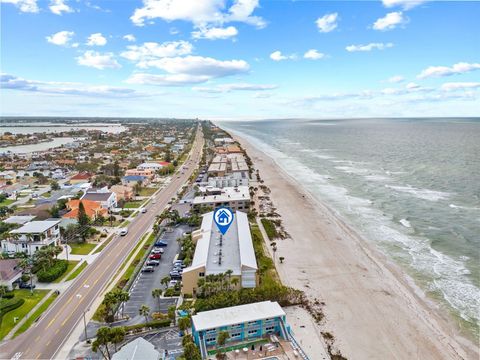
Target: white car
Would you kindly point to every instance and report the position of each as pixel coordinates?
(143, 210)
(172, 283)
(123, 231)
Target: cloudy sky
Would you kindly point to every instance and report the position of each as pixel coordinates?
(240, 59)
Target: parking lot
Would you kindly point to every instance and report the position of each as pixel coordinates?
(169, 341)
(141, 290)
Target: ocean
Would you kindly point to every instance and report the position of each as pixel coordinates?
(410, 186)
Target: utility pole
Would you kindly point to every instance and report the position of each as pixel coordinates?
(85, 324)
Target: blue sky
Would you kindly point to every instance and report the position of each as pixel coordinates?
(240, 59)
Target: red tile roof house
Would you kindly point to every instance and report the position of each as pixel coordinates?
(81, 177)
(9, 272)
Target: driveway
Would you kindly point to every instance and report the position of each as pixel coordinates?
(141, 290)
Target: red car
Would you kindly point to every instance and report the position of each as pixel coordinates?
(155, 257)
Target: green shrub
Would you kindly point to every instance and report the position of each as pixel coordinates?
(270, 228)
(152, 324)
(8, 295)
(53, 273)
(9, 305)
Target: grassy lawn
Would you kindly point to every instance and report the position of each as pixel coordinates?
(147, 191)
(47, 194)
(6, 202)
(270, 228)
(36, 315)
(125, 223)
(132, 204)
(77, 271)
(82, 248)
(71, 265)
(30, 302)
(105, 243)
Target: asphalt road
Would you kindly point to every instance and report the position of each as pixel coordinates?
(45, 339)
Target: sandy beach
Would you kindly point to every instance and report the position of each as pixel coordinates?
(373, 310)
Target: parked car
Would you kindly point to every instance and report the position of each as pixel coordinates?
(158, 251)
(175, 275)
(155, 257)
(148, 269)
(24, 285)
(161, 244)
(172, 283)
(143, 210)
(153, 262)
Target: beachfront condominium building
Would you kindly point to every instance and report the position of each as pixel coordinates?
(216, 254)
(32, 236)
(244, 323)
(236, 198)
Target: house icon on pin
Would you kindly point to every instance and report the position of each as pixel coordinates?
(223, 217)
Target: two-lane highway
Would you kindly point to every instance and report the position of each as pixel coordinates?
(45, 339)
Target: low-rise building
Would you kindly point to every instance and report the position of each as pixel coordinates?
(216, 253)
(32, 236)
(243, 323)
(132, 180)
(236, 198)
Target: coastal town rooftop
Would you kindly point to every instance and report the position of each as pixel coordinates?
(35, 227)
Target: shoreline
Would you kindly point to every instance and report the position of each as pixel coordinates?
(365, 292)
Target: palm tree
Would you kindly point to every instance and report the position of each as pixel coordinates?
(156, 293)
(144, 311)
(117, 335)
(235, 282)
(123, 296)
(165, 281)
(102, 339)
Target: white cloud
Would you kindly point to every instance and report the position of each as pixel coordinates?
(166, 80)
(389, 21)
(97, 60)
(61, 38)
(215, 33)
(29, 6)
(452, 86)
(59, 6)
(96, 39)
(198, 12)
(412, 86)
(368, 47)
(278, 56)
(396, 79)
(235, 87)
(64, 88)
(456, 69)
(129, 37)
(152, 50)
(406, 4)
(327, 22)
(313, 54)
(199, 66)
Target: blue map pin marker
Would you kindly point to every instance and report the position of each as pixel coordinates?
(223, 217)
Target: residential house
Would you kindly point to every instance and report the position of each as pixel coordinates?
(93, 209)
(82, 177)
(149, 173)
(108, 200)
(32, 236)
(122, 192)
(10, 272)
(132, 180)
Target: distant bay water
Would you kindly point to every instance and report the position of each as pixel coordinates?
(411, 186)
(50, 128)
